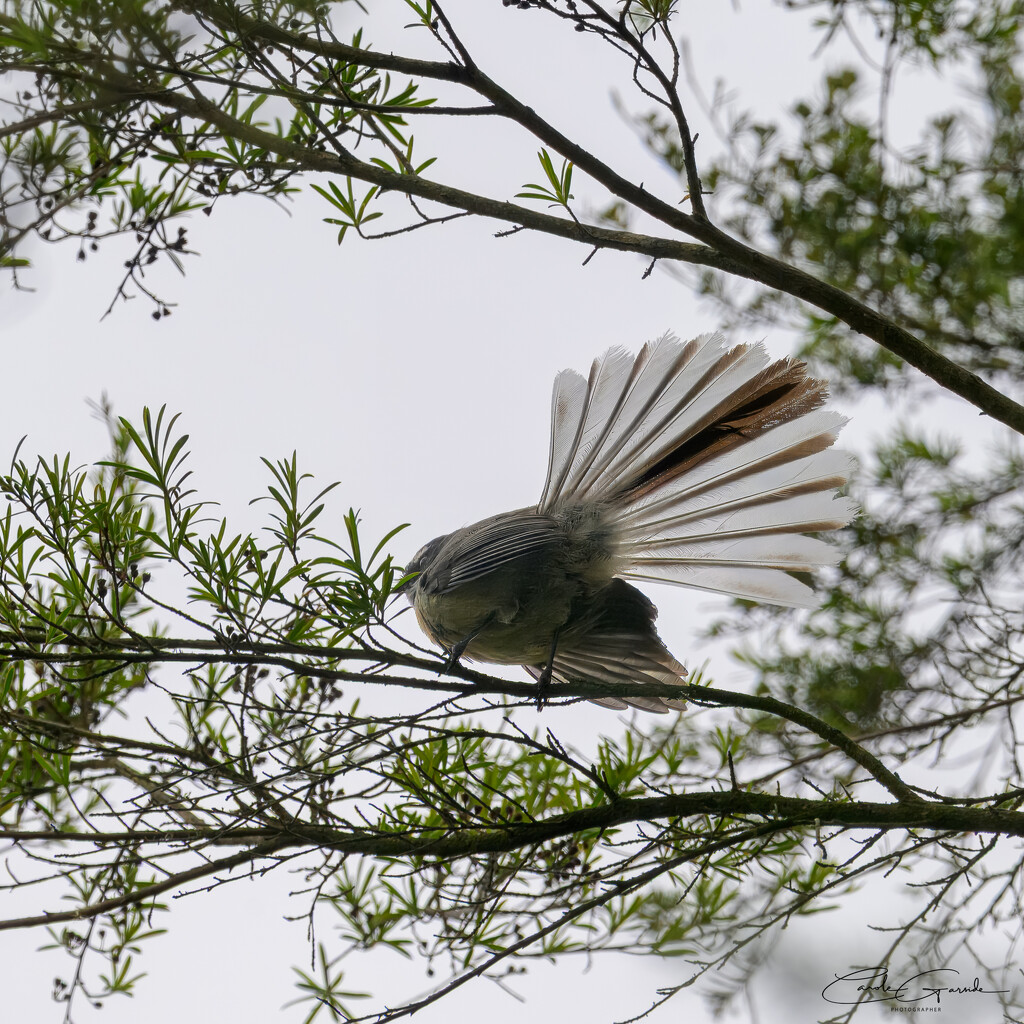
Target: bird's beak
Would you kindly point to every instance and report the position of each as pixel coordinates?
(408, 578)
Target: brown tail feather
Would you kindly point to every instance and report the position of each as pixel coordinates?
(781, 392)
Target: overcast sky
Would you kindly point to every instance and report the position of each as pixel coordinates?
(417, 372)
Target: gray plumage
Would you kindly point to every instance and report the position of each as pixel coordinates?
(690, 464)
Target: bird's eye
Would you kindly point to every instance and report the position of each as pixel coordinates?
(419, 562)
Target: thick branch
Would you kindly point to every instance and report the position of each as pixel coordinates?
(505, 837)
(722, 252)
(719, 249)
(727, 253)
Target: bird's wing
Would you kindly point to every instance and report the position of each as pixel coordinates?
(480, 549)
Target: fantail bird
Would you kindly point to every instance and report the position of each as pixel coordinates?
(690, 464)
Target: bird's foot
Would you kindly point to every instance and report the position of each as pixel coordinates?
(543, 686)
(454, 656)
(544, 679)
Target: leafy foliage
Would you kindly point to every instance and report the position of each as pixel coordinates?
(929, 233)
(476, 842)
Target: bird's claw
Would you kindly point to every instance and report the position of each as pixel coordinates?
(454, 656)
(543, 686)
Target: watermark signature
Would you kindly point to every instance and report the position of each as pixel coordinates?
(874, 985)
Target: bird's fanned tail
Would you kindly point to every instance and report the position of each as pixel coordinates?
(712, 464)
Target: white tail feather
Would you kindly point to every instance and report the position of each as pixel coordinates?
(627, 406)
(809, 513)
(823, 472)
(792, 553)
(770, 586)
(567, 404)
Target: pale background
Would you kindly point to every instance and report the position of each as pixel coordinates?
(417, 372)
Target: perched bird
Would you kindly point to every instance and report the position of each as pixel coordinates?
(693, 464)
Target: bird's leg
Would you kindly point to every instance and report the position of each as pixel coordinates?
(544, 679)
(456, 651)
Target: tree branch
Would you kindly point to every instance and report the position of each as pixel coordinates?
(720, 250)
(283, 656)
(507, 836)
(143, 895)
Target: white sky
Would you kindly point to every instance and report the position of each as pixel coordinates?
(417, 371)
